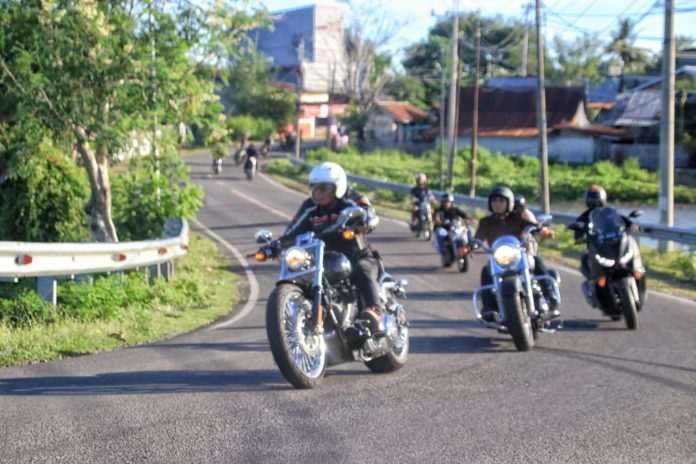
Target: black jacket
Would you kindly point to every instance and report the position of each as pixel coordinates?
(446, 217)
(585, 219)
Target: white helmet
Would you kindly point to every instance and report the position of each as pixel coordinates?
(330, 173)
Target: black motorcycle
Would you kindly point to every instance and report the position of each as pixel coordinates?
(250, 167)
(217, 166)
(311, 316)
(612, 266)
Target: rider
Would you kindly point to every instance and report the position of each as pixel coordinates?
(502, 221)
(521, 209)
(419, 194)
(444, 216)
(266, 147)
(596, 197)
(328, 197)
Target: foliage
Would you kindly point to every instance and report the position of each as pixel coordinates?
(623, 48)
(85, 71)
(251, 92)
(626, 183)
(577, 61)
(409, 88)
(144, 199)
(246, 127)
(114, 311)
(43, 197)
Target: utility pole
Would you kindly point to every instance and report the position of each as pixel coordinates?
(451, 120)
(541, 115)
(666, 200)
(474, 119)
(329, 116)
(153, 75)
(300, 84)
(525, 41)
(442, 118)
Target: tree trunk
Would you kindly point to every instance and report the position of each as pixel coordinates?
(99, 207)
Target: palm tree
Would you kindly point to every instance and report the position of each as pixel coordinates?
(622, 47)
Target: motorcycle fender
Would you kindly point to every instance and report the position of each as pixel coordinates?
(629, 282)
(510, 287)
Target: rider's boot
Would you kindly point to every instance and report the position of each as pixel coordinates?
(373, 317)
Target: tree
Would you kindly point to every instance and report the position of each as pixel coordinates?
(577, 60)
(405, 87)
(84, 70)
(622, 47)
(251, 91)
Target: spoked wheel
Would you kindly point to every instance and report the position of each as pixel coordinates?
(299, 353)
(517, 320)
(396, 358)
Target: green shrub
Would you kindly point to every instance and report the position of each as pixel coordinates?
(21, 306)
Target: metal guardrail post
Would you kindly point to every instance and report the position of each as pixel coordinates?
(47, 288)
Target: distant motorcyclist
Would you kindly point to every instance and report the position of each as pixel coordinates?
(521, 208)
(445, 214)
(266, 147)
(419, 193)
(328, 197)
(502, 221)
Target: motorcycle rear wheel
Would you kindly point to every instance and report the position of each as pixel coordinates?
(299, 354)
(395, 359)
(518, 322)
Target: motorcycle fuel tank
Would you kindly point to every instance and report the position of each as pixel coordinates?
(336, 266)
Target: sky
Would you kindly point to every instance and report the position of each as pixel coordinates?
(565, 18)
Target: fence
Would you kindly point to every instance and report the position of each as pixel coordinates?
(654, 231)
(49, 262)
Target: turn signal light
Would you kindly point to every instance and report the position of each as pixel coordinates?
(348, 234)
(463, 251)
(602, 281)
(23, 260)
(637, 275)
(260, 256)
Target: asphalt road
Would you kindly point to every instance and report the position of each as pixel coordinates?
(593, 392)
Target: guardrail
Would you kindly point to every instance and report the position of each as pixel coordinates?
(49, 262)
(654, 231)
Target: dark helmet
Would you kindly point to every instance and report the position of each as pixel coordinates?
(595, 197)
(504, 192)
(520, 202)
(447, 197)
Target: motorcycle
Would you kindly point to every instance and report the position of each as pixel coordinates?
(457, 244)
(613, 267)
(311, 315)
(239, 155)
(523, 310)
(217, 166)
(424, 220)
(250, 167)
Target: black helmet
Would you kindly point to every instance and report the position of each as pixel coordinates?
(595, 197)
(520, 201)
(504, 192)
(446, 197)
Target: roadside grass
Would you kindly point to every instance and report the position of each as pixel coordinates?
(115, 312)
(673, 272)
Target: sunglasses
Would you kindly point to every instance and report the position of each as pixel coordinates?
(323, 187)
(499, 199)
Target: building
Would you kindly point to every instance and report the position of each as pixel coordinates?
(318, 30)
(395, 124)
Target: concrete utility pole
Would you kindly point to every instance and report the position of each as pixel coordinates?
(451, 119)
(666, 199)
(474, 119)
(300, 84)
(525, 41)
(329, 115)
(541, 115)
(442, 119)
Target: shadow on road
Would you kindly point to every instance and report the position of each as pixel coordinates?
(619, 364)
(574, 325)
(258, 225)
(458, 344)
(145, 382)
(439, 296)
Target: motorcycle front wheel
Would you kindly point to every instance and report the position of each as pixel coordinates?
(628, 304)
(517, 320)
(463, 263)
(299, 353)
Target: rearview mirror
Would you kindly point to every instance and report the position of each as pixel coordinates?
(263, 236)
(636, 213)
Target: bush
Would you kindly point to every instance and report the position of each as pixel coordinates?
(45, 193)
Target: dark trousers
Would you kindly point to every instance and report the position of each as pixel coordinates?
(365, 274)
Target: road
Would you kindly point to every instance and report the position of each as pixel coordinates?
(593, 392)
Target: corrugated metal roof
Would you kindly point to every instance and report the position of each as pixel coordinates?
(513, 111)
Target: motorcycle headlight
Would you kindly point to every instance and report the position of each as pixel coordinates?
(296, 258)
(505, 255)
(606, 262)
